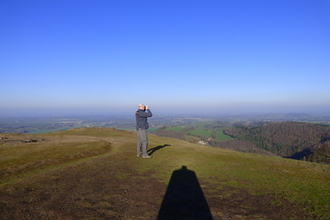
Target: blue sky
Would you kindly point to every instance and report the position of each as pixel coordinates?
(100, 57)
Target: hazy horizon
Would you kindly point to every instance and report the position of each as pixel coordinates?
(196, 111)
(181, 57)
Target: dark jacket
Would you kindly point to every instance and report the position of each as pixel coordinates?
(141, 119)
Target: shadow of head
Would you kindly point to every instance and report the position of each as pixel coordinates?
(184, 198)
(153, 150)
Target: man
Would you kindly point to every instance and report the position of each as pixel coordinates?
(142, 125)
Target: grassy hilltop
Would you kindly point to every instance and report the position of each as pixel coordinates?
(93, 173)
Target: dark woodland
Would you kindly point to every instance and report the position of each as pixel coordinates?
(296, 140)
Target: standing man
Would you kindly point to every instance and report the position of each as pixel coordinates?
(142, 125)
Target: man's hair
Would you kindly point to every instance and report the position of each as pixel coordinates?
(140, 105)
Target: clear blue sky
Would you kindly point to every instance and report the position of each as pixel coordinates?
(96, 57)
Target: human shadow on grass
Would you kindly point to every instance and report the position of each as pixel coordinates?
(153, 150)
(184, 198)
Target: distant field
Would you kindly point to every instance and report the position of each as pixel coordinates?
(200, 125)
(201, 130)
(222, 137)
(178, 129)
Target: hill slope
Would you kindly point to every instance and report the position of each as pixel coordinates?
(295, 140)
(94, 174)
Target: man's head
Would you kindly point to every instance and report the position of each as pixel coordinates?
(141, 106)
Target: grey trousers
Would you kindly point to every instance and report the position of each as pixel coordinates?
(142, 143)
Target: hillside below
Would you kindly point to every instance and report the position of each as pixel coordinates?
(93, 173)
(296, 140)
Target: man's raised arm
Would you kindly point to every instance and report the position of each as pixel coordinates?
(144, 114)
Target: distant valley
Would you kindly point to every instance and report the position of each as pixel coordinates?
(296, 136)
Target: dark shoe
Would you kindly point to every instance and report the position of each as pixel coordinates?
(147, 157)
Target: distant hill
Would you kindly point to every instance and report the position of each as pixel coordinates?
(232, 144)
(296, 140)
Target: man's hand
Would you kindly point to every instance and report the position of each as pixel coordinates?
(147, 107)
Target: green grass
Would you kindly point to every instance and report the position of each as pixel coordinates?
(200, 132)
(192, 139)
(307, 184)
(303, 183)
(222, 137)
(23, 158)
